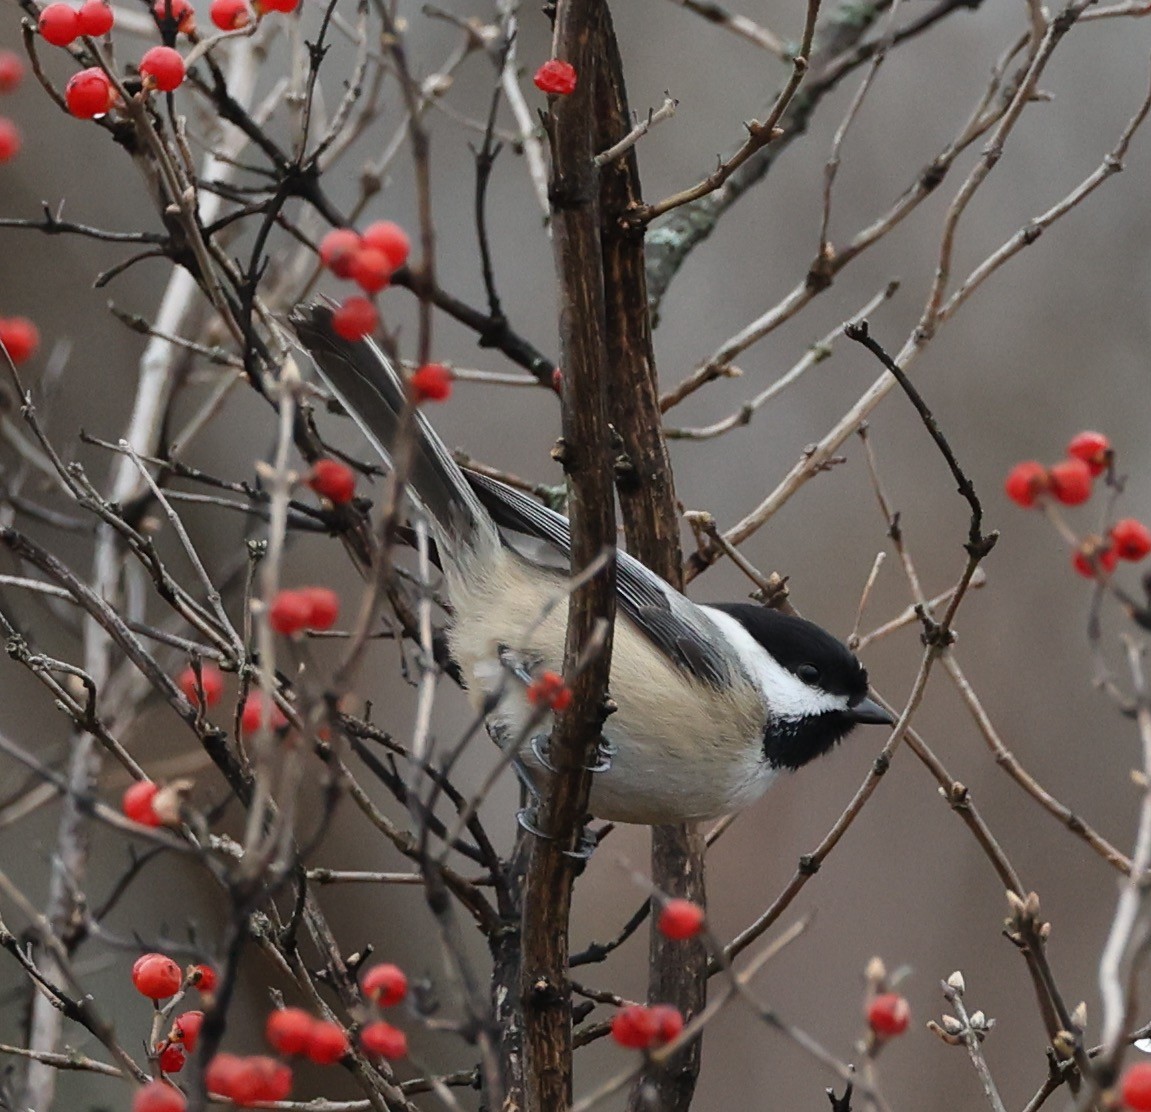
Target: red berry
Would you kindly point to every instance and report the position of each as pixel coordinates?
(253, 714)
(172, 1059)
(389, 238)
(1026, 482)
(384, 1040)
(59, 24)
(680, 919)
(1093, 448)
(888, 1014)
(1136, 1087)
(10, 141)
(246, 1081)
(289, 1030)
(158, 1096)
(327, 1043)
(370, 269)
(1105, 559)
(337, 250)
(558, 381)
(186, 1030)
(289, 612)
(277, 5)
(260, 1078)
(178, 12)
(96, 18)
(89, 93)
(20, 337)
(355, 319)
(221, 1073)
(204, 978)
(556, 78)
(156, 976)
(635, 1027)
(333, 480)
(1071, 481)
(229, 15)
(1131, 539)
(323, 606)
(668, 1021)
(549, 689)
(11, 70)
(385, 984)
(276, 1078)
(432, 383)
(137, 803)
(212, 679)
(162, 68)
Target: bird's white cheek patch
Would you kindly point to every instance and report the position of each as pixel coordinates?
(786, 694)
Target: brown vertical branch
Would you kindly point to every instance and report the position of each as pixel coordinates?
(586, 454)
(646, 489)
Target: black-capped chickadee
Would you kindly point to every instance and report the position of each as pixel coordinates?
(713, 701)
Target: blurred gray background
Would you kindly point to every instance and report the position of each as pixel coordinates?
(1054, 343)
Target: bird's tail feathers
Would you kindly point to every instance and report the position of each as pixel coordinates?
(370, 389)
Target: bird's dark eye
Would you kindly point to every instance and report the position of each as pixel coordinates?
(809, 673)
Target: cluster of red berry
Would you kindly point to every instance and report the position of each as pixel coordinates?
(171, 1054)
(158, 977)
(252, 714)
(291, 1032)
(646, 1026)
(549, 690)
(11, 74)
(369, 260)
(304, 608)
(1071, 482)
(249, 1079)
(159, 1096)
(299, 1034)
(212, 681)
(385, 985)
(20, 338)
(555, 78)
(61, 24)
(91, 93)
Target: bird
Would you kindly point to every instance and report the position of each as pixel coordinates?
(713, 702)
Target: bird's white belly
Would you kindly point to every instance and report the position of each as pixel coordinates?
(672, 760)
(652, 777)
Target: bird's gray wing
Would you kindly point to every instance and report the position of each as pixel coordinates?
(666, 618)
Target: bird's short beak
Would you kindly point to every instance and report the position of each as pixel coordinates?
(869, 712)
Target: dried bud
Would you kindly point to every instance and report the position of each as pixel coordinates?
(956, 983)
(1064, 1044)
(876, 972)
(952, 1025)
(166, 802)
(1079, 1015)
(978, 1021)
(1015, 904)
(951, 1040)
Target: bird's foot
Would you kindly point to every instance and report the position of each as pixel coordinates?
(585, 845)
